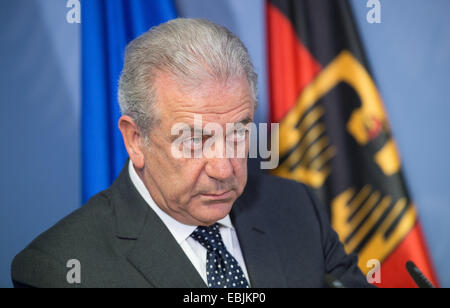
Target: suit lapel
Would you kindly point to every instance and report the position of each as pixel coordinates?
(154, 253)
(161, 260)
(258, 247)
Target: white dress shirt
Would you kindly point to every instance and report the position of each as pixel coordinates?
(181, 232)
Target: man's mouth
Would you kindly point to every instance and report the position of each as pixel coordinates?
(223, 195)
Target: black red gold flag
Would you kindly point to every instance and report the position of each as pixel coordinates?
(335, 135)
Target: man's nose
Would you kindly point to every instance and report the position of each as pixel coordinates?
(219, 168)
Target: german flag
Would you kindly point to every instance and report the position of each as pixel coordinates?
(335, 135)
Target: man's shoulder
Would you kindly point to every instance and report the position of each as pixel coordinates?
(286, 191)
(81, 225)
(66, 240)
(281, 199)
(270, 180)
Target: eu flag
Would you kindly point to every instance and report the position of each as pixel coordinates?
(107, 27)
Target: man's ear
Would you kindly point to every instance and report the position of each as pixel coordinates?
(133, 140)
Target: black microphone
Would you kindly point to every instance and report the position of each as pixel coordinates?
(418, 277)
(333, 282)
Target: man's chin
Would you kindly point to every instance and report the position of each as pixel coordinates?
(211, 212)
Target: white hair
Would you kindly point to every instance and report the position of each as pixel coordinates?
(191, 50)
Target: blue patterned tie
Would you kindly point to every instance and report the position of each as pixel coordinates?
(222, 269)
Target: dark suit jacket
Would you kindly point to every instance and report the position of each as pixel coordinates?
(283, 231)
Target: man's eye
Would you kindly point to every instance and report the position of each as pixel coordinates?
(241, 132)
(239, 135)
(193, 143)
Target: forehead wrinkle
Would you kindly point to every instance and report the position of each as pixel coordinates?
(214, 110)
(213, 101)
(220, 99)
(231, 116)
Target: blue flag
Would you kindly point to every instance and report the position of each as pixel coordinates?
(107, 27)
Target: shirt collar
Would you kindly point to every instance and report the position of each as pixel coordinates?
(180, 231)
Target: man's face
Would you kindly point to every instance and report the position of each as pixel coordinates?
(196, 191)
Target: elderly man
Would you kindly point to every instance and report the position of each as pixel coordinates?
(189, 220)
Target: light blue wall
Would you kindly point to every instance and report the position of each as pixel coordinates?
(410, 56)
(39, 127)
(40, 98)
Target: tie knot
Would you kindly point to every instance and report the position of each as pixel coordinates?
(209, 237)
